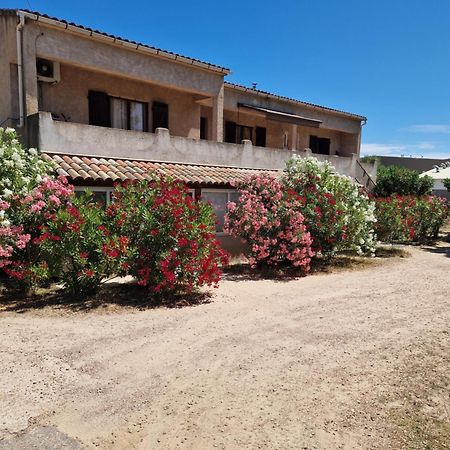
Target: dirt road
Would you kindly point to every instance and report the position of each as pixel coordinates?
(355, 360)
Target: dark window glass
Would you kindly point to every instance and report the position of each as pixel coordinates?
(99, 109)
(230, 132)
(319, 145)
(324, 146)
(203, 128)
(160, 115)
(260, 137)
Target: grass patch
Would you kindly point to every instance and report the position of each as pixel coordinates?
(418, 414)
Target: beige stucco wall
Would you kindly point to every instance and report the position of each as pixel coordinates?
(87, 63)
(343, 144)
(111, 60)
(343, 131)
(8, 60)
(70, 97)
(330, 120)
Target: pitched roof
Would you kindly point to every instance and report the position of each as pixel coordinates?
(109, 170)
(39, 17)
(291, 100)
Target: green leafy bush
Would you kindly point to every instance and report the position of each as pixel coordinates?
(447, 183)
(410, 218)
(172, 245)
(401, 181)
(80, 249)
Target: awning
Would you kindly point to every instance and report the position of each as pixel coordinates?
(280, 116)
(91, 169)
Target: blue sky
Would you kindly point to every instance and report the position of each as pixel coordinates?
(387, 60)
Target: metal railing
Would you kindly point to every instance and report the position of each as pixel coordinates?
(363, 177)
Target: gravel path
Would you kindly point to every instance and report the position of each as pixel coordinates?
(354, 359)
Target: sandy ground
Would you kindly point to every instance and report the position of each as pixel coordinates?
(355, 360)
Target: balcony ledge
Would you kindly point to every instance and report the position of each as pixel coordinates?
(87, 140)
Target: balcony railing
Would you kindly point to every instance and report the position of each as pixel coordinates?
(54, 136)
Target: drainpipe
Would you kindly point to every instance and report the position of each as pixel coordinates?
(19, 29)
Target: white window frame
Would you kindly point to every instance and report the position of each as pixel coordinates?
(228, 191)
(108, 190)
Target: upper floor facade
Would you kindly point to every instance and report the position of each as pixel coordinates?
(70, 89)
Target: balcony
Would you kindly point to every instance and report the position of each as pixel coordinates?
(54, 136)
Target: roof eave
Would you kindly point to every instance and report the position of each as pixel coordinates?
(260, 93)
(111, 39)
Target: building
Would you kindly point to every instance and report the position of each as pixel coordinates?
(418, 164)
(105, 108)
(439, 173)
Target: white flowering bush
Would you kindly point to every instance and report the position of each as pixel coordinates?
(338, 213)
(20, 170)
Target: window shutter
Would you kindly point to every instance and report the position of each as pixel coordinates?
(99, 109)
(230, 132)
(260, 137)
(160, 115)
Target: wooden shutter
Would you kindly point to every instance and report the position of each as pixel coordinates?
(260, 137)
(99, 109)
(230, 132)
(160, 115)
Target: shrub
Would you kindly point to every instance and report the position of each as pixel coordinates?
(399, 180)
(338, 213)
(171, 239)
(410, 218)
(82, 252)
(268, 219)
(20, 170)
(447, 183)
(22, 230)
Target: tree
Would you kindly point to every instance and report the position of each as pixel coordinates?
(399, 180)
(447, 183)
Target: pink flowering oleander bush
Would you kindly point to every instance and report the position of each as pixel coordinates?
(268, 219)
(24, 218)
(410, 218)
(172, 246)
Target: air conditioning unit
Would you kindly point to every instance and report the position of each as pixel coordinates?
(47, 71)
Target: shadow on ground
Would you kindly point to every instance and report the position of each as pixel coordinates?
(110, 294)
(130, 295)
(342, 262)
(440, 248)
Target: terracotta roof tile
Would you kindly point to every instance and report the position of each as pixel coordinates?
(110, 170)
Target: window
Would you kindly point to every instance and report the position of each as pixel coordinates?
(235, 133)
(99, 106)
(160, 115)
(128, 114)
(203, 128)
(218, 200)
(285, 140)
(103, 196)
(260, 136)
(107, 111)
(319, 145)
(230, 132)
